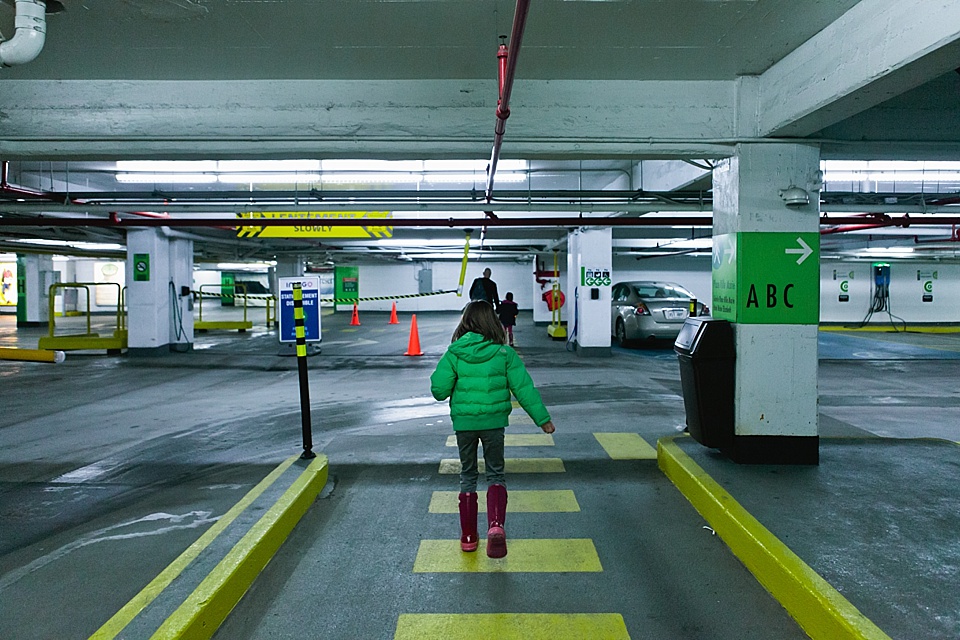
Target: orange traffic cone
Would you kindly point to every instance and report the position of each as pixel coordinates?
(393, 315)
(413, 348)
(355, 320)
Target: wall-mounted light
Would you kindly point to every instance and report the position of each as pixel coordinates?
(794, 196)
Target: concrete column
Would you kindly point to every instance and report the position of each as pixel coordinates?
(33, 302)
(589, 276)
(766, 250)
(160, 318)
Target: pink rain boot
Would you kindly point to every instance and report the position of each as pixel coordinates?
(468, 522)
(496, 513)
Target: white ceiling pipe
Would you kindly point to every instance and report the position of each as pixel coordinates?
(31, 31)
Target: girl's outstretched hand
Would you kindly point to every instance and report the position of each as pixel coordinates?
(548, 427)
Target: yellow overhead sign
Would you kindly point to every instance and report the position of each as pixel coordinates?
(313, 227)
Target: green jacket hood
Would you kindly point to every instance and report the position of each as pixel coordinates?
(474, 348)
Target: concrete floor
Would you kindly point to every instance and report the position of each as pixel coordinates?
(111, 466)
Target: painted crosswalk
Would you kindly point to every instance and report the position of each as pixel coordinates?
(512, 626)
(517, 440)
(451, 466)
(626, 446)
(558, 556)
(567, 555)
(551, 501)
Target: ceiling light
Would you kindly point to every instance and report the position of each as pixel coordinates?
(256, 166)
(269, 178)
(167, 178)
(167, 166)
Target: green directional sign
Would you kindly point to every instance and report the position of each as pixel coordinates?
(767, 278)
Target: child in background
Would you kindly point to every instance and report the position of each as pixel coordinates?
(478, 373)
(508, 315)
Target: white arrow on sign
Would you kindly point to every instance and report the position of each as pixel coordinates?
(804, 252)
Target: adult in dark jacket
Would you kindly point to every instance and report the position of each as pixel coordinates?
(485, 289)
(478, 373)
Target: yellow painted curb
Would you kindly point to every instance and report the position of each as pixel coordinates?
(208, 606)
(887, 328)
(139, 602)
(818, 608)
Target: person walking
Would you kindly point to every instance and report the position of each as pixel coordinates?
(508, 315)
(478, 373)
(484, 288)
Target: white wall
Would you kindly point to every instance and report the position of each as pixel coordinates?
(395, 279)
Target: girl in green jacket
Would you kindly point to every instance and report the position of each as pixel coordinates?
(478, 373)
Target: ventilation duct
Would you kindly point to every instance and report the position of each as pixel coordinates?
(31, 31)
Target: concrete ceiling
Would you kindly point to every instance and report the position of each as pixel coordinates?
(622, 81)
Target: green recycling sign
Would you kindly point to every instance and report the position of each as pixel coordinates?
(767, 278)
(595, 277)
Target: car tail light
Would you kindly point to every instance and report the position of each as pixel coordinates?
(642, 309)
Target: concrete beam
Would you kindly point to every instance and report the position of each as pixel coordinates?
(343, 118)
(874, 52)
(667, 175)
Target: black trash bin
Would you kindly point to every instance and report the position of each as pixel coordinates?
(707, 355)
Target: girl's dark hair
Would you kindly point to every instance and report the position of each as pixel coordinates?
(479, 317)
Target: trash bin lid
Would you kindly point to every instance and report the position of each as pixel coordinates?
(688, 335)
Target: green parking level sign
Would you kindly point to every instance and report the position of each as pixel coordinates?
(767, 278)
(141, 267)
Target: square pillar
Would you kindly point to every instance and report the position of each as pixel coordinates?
(589, 277)
(766, 253)
(160, 317)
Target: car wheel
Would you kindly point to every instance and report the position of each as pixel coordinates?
(621, 334)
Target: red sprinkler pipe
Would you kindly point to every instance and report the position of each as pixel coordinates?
(578, 221)
(507, 68)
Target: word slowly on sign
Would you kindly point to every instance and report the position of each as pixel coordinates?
(309, 224)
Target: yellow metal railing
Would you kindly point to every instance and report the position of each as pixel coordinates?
(204, 325)
(88, 340)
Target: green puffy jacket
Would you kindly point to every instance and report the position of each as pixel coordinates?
(478, 377)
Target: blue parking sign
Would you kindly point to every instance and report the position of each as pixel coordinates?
(310, 285)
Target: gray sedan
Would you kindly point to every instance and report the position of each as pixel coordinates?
(650, 310)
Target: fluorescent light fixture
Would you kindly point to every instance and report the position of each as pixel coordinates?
(891, 176)
(167, 178)
(246, 266)
(167, 166)
(371, 165)
(269, 178)
(72, 244)
(256, 166)
(473, 177)
(371, 178)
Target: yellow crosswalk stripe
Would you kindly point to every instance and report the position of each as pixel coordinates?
(516, 405)
(626, 446)
(517, 440)
(450, 466)
(519, 417)
(544, 555)
(552, 501)
(511, 626)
